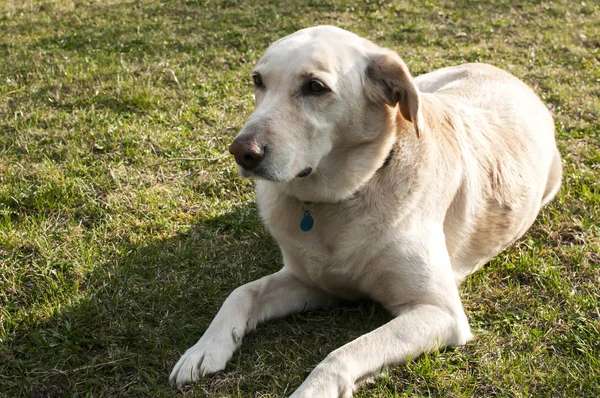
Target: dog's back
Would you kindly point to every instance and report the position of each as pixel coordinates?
(504, 146)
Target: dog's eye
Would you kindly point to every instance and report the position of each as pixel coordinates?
(315, 87)
(257, 80)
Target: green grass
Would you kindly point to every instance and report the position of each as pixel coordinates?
(112, 264)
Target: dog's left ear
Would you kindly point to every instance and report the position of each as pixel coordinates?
(388, 80)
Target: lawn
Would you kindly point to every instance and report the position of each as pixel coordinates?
(114, 256)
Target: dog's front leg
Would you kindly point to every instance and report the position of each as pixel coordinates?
(273, 296)
(419, 289)
(418, 329)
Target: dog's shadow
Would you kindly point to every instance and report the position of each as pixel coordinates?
(148, 305)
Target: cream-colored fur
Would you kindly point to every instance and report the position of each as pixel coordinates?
(473, 161)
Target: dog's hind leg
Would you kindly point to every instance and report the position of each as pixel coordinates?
(554, 179)
(273, 296)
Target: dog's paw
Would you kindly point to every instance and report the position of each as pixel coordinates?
(323, 391)
(209, 355)
(324, 383)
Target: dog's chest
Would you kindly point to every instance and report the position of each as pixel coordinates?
(335, 253)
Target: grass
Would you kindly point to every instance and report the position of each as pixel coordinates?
(112, 263)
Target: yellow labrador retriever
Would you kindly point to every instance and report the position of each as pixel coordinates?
(380, 185)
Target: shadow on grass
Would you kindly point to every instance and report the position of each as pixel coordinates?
(148, 305)
(121, 103)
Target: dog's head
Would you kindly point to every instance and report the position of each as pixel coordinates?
(318, 90)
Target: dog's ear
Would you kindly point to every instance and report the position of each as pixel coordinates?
(389, 81)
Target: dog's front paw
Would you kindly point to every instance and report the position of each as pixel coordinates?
(209, 355)
(324, 383)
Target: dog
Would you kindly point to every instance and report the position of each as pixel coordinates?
(382, 186)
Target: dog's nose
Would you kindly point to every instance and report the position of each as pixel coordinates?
(248, 154)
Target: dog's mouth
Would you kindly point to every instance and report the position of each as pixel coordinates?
(266, 175)
(305, 172)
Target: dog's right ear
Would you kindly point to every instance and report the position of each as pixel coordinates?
(389, 81)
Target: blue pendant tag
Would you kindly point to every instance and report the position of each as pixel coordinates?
(307, 222)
